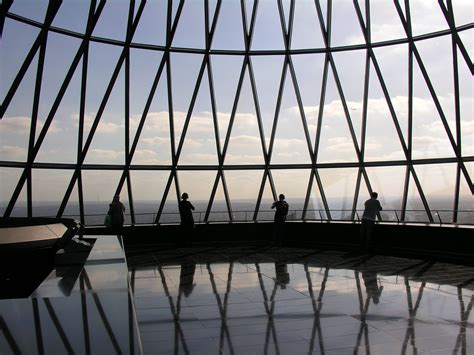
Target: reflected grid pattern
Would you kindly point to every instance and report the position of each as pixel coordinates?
(150, 121)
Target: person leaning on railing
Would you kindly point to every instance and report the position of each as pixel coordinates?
(372, 207)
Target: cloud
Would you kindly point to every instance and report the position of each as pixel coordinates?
(106, 154)
(20, 125)
(156, 141)
(104, 126)
(10, 152)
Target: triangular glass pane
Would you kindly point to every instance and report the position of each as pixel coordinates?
(143, 69)
(393, 63)
(290, 144)
(229, 31)
(219, 212)
(48, 189)
(72, 209)
(72, 15)
(267, 32)
(108, 143)
(16, 123)
(101, 64)
(430, 139)
(267, 72)
(324, 11)
(470, 169)
(60, 142)
(286, 12)
(351, 71)
(336, 142)
(148, 188)
(198, 185)
(154, 145)
(309, 70)
(212, 11)
(200, 143)
(34, 10)
(225, 74)
(438, 60)
(184, 73)
(9, 178)
(345, 27)
(315, 209)
(363, 196)
(55, 69)
(16, 42)
(415, 210)
(190, 32)
(245, 146)
(427, 17)
(339, 188)
(174, 10)
(99, 188)
(466, 201)
(438, 182)
(243, 187)
(306, 22)
(389, 182)
(265, 213)
(294, 185)
(385, 23)
(152, 26)
(21, 208)
(113, 20)
(170, 212)
(382, 140)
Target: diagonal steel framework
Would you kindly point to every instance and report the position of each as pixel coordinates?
(287, 81)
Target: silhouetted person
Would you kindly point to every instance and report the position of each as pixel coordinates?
(282, 275)
(372, 286)
(116, 212)
(280, 217)
(187, 220)
(186, 278)
(372, 207)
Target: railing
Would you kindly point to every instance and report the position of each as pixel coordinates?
(439, 217)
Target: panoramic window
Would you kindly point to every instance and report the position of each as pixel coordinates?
(235, 102)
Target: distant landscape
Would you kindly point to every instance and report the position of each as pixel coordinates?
(243, 210)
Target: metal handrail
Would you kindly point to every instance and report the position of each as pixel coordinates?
(337, 215)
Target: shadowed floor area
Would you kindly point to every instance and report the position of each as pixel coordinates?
(256, 300)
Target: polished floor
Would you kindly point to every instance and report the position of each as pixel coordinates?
(259, 300)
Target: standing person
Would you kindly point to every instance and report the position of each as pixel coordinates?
(185, 211)
(279, 222)
(372, 207)
(116, 212)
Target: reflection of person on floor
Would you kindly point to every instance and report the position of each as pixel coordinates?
(186, 278)
(279, 222)
(282, 275)
(372, 207)
(371, 285)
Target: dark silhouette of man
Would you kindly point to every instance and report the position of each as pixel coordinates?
(187, 220)
(279, 221)
(372, 207)
(116, 212)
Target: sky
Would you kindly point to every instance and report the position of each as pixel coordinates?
(334, 146)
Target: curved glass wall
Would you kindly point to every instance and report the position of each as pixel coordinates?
(236, 102)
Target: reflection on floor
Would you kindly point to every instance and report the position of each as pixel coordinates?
(298, 301)
(78, 309)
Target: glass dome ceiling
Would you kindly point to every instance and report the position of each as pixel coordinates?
(236, 102)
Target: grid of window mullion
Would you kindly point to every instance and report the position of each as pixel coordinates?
(5, 7)
(52, 10)
(54, 108)
(450, 18)
(77, 175)
(126, 171)
(449, 15)
(40, 43)
(435, 99)
(171, 26)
